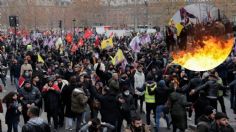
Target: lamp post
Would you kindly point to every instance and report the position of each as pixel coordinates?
(74, 25)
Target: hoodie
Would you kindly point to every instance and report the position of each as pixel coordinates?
(162, 93)
(78, 101)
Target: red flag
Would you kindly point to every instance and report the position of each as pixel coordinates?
(74, 48)
(21, 81)
(97, 42)
(69, 38)
(88, 33)
(81, 42)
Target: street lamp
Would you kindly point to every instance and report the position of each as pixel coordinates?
(74, 25)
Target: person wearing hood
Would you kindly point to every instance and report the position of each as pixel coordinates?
(162, 94)
(78, 104)
(29, 96)
(205, 120)
(149, 97)
(51, 95)
(35, 124)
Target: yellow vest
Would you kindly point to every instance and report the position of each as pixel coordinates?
(150, 98)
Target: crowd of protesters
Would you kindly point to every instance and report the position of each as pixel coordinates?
(86, 88)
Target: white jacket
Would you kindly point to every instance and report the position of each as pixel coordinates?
(139, 80)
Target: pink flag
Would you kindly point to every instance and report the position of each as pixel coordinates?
(134, 44)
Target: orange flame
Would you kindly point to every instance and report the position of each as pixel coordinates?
(213, 52)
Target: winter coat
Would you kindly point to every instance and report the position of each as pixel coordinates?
(52, 99)
(178, 104)
(193, 83)
(203, 124)
(36, 124)
(211, 87)
(139, 80)
(129, 103)
(30, 96)
(162, 93)
(12, 114)
(114, 86)
(109, 106)
(78, 101)
(66, 97)
(216, 128)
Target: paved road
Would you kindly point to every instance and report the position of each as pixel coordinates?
(11, 88)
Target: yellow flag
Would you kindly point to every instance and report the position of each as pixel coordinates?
(107, 44)
(40, 59)
(179, 28)
(118, 58)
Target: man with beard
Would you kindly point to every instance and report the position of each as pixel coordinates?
(204, 121)
(137, 125)
(29, 96)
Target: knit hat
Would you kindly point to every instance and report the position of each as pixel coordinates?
(209, 110)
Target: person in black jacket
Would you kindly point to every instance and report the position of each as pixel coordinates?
(51, 95)
(200, 105)
(13, 111)
(110, 112)
(29, 96)
(35, 124)
(126, 103)
(162, 94)
(211, 87)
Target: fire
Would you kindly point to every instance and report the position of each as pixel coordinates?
(212, 53)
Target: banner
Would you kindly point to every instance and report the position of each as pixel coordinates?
(118, 58)
(107, 44)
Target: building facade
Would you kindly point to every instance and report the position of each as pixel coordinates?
(45, 14)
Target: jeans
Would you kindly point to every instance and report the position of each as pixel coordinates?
(16, 81)
(69, 122)
(159, 111)
(13, 125)
(78, 122)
